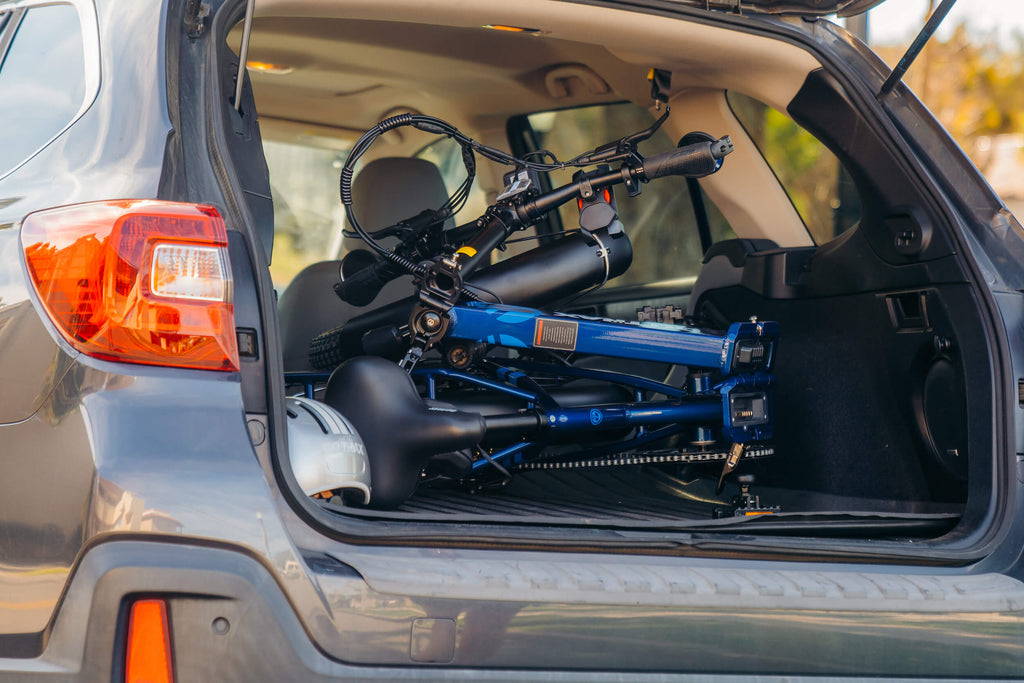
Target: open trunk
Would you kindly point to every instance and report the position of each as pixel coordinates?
(649, 498)
(884, 369)
(847, 362)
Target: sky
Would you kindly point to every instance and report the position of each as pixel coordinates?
(898, 21)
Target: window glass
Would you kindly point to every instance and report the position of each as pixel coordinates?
(42, 81)
(307, 210)
(661, 222)
(446, 154)
(818, 186)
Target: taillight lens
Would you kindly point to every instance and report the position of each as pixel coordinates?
(138, 281)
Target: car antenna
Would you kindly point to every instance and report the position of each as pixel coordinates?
(915, 48)
(243, 53)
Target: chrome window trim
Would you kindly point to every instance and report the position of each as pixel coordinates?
(89, 26)
(9, 22)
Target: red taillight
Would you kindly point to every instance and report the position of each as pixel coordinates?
(148, 651)
(138, 281)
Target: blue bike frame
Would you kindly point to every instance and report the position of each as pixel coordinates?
(740, 405)
(745, 348)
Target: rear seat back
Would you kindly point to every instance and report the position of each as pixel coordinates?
(385, 191)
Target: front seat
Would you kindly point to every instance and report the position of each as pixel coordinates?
(386, 191)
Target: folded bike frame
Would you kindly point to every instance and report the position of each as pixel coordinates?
(746, 347)
(740, 404)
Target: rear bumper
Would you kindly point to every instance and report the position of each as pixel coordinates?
(265, 638)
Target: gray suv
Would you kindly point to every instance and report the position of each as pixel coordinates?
(765, 420)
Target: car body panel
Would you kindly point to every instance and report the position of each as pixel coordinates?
(69, 169)
(541, 617)
(112, 151)
(265, 640)
(690, 615)
(92, 68)
(152, 481)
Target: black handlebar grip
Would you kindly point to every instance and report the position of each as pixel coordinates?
(360, 289)
(363, 275)
(693, 161)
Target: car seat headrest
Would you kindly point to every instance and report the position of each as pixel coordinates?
(392, 189)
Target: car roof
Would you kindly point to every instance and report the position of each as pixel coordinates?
(348, 63)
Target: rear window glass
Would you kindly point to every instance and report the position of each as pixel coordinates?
(817, 184)
(446, 154)
(661, 224)
(42, 81)
(307, 211)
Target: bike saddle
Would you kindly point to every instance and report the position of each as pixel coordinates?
(400, 431)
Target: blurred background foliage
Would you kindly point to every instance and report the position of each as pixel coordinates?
(971, 76)
(974, 86)
(971, 80)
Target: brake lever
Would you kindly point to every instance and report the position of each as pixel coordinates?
(625, 148)
(647, 132)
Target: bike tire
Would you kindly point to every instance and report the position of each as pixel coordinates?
(326, 350)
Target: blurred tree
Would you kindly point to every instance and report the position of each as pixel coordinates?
(973, 84)
(806, 169)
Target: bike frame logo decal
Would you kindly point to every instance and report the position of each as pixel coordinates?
(596, 417)
(559, 335)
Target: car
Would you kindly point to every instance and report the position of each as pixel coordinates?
(717, 372)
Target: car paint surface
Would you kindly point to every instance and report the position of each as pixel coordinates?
(125, 480)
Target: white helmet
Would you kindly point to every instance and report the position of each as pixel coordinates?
(326, 451)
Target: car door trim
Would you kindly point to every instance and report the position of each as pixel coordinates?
(89, 26)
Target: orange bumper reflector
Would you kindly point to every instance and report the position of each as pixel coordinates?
(148, 657)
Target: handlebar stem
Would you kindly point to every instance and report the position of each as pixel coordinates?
(532, 210)
(498, 225)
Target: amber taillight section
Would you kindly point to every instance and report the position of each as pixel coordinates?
(136, 280)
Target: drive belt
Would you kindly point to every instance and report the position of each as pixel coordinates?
(666, 456)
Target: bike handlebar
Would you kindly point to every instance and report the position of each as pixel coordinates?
(694, 161)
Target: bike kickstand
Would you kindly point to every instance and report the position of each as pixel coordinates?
(735, 453)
